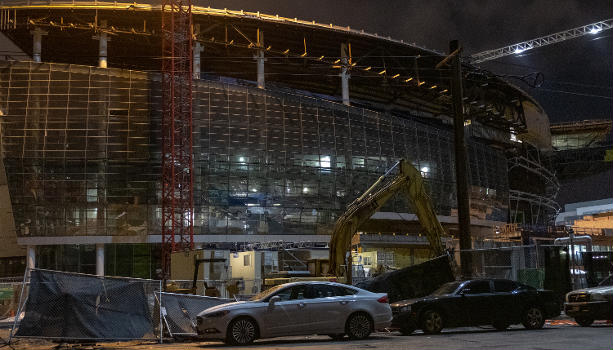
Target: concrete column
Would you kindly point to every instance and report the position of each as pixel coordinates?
(37, 38)
(345, 74)
(31, 256)
(103, 43)
(100, 259)
(259, 57)
(196, 68)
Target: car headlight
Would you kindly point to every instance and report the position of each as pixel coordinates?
(406, 308)
(217, 314)
(597, 297)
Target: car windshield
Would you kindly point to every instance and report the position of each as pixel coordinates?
(264, 294)
(446, 288)
(606, 282)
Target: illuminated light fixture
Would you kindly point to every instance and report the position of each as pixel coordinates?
(518, 51)
(305, 190)
(241, 159)
(268, 48)
(276, 205)
(321, 58)
(395, 76)
(421, 83)
(467, 122)
(382, 72)
(407, 80)
(595, 30)
(433, 87)
(337, 66)
(337, 61)
(444, 91)
(368, 68)
(425, 169)
(253, 205)
(254, 190)
(353, 64)
(286, 52)
(231, 42)
(304, 54)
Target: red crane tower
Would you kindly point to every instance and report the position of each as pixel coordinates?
(177, 166)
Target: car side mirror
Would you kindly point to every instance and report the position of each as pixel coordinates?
(273, 300)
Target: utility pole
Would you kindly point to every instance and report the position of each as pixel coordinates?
(461, 170)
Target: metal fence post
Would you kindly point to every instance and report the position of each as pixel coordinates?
(160, 315)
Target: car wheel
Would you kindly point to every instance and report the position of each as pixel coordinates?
(584, 321)
(533, 318)
(359, 326)
(432, 322)
(500, 325)
(338, 336)
(242, 331)
(406, 330)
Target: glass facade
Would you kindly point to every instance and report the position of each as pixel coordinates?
(81, 147)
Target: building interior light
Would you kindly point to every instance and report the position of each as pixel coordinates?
(425, 169)
(241, 159)
(305, 190)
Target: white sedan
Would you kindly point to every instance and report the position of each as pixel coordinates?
(298, 308)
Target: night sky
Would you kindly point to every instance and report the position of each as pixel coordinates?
(579, 66)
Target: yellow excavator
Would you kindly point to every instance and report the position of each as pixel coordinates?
(409, 182)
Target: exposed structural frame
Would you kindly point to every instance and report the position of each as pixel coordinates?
(593, 28)
(177, 166)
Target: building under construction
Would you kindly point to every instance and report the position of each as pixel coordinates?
(292, 120)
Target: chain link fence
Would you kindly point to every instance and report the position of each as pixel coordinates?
(234, 288)
(10, 294)
(77, 307)
(542, 266)
(179, 311)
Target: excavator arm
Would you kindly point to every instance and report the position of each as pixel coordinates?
(409, 182)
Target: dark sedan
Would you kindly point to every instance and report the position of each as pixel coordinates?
(496, 302)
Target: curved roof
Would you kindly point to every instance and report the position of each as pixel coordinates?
(300, 54)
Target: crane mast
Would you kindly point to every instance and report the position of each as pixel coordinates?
(177, 167)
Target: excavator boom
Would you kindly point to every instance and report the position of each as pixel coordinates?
(409, 182)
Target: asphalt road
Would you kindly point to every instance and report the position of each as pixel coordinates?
(553, 337)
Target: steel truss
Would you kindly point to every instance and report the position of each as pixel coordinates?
(177, 165)
(515, 49)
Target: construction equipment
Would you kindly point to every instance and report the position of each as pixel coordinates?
(515, 49)
(408, 181)
(177, 193)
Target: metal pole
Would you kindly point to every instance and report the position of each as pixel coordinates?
(161, 315)
(461, 171)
